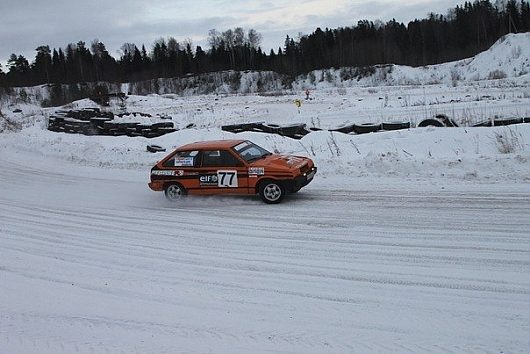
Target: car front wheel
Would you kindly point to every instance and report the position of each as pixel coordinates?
(271, 192)
(174, 192)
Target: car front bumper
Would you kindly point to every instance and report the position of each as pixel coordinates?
(303, 180)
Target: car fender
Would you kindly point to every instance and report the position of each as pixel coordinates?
(286, 181)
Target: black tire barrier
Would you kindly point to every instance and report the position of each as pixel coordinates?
(251, 127)
(395, 125)
(257, 129)
(366, 128)
(431, 122)
(484, 123)
(244, 127)
(506, 121)
(295, 131)
(73, 123)
(270, 128)
(92, 121)
(99, 120)
(162, 125)
(134, 114)
(448, 122)
(167, 130)
(56, 119)
(234, 128)
(346, 129)
(155, 148)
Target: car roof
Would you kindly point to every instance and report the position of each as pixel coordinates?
(211, 144)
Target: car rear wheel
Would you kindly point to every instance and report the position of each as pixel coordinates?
(174, 192)
(271, 192)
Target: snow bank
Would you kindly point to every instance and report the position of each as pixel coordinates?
(479, 154)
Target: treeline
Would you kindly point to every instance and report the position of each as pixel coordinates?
(463, 32)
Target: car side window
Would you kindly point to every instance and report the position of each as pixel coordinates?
(183, 159)
(219, 158)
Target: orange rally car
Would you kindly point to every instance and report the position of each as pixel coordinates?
(230, 167)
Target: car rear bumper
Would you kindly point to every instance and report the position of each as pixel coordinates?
(157, 186)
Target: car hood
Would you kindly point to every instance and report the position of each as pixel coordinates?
(281, 162)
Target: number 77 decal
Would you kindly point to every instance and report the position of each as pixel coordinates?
(227, 178)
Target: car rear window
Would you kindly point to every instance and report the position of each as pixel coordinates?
(183, 159)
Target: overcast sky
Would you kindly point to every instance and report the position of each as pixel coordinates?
(26, 24)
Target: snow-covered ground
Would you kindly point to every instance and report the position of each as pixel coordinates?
(407, 241)
(93, 262)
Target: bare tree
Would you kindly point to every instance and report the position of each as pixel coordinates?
(254, 38)
(214, 38)
(228, 38)
(173, 45)
(127, 50)
(239, 37)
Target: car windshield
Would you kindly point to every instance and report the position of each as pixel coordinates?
(250, 151)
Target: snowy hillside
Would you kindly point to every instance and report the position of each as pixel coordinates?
(509, 57)
(507, 62)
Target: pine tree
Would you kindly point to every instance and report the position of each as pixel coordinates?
(42, 65)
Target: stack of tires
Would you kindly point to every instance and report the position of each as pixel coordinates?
(295, 131)
(497, 122)
(87, 121)
(364, 128)
(92, 121)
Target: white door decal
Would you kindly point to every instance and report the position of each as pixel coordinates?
(227, 179)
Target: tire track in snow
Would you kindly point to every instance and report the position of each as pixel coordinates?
(319, 273)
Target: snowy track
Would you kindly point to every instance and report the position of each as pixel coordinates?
(92, 261)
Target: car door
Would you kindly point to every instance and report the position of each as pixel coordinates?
(221, 172)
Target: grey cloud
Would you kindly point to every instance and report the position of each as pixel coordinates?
(374, 10)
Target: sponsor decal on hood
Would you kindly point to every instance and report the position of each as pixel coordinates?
(293, 160)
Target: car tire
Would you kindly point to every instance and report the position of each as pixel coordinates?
(395, 125)
(484, 123)
(506, 121)
(270, 128)
(431, 122)
(155, 148)
(346, 129)
(366, 128)
(271, 192)
(174, 192)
